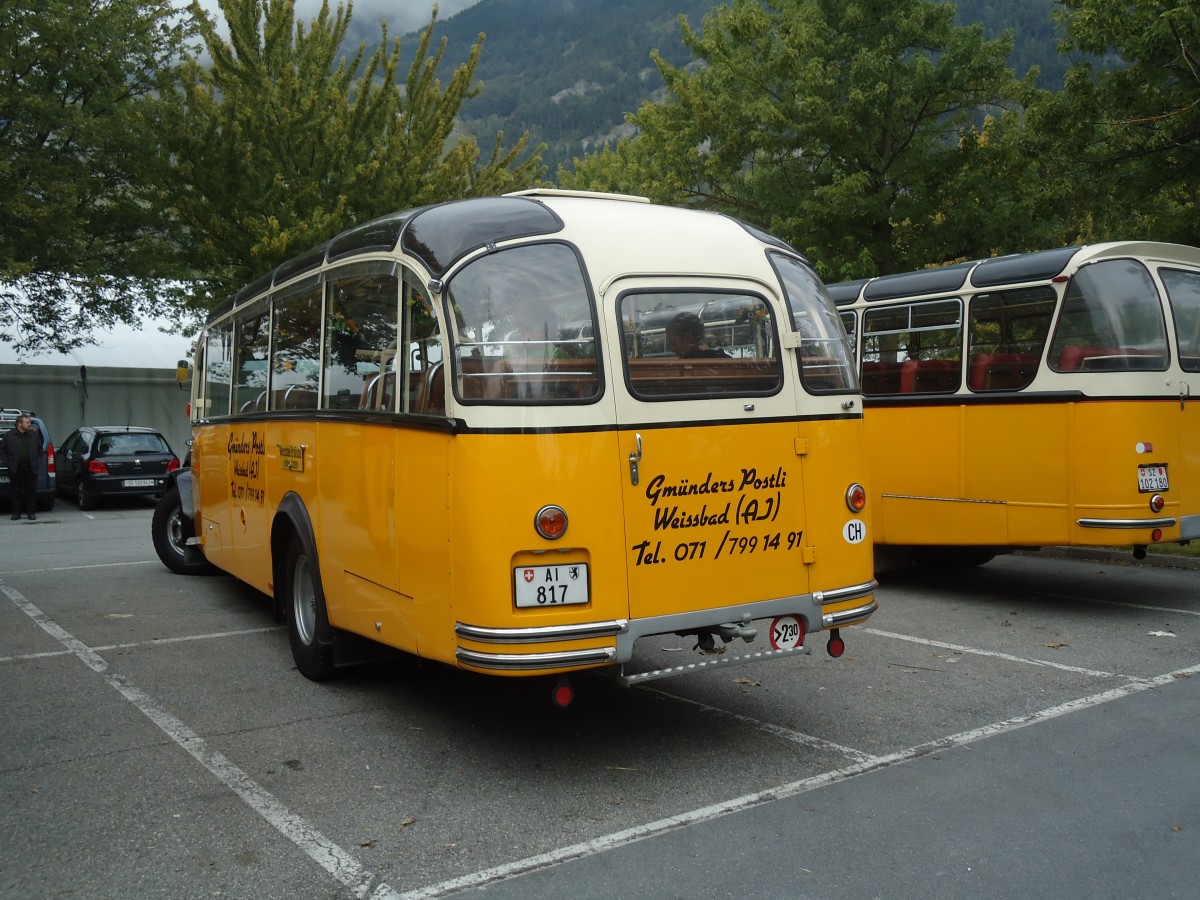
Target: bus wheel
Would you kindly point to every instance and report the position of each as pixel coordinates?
(169, 534)
(308, 626)
(952, 557)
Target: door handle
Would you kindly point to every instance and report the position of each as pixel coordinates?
(634, 458)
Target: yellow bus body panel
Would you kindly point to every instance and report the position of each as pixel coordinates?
(1024, 474)
(407, 551)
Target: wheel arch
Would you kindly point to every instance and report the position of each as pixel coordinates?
(291, 522)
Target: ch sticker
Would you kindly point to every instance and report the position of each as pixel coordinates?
(854, 531)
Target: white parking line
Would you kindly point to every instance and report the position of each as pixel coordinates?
(138, 562)
(1008, 657)
(153, 643)
(717, 810)
(788, 734)
(339, 863)
(1121, 603)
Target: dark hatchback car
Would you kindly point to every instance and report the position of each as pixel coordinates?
(46, 469)
(99, 461)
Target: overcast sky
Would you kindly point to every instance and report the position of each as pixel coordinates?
(402, 16)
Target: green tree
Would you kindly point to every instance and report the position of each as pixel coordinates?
(843, 126)
(281, 141)
(81, 231)
(1132, 128)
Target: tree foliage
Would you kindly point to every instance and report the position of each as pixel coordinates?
(81, 221)
(1133, 127)
(848, 127)
(281, 141)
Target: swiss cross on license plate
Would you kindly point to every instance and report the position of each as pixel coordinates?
(564, 584)
(1152, 478)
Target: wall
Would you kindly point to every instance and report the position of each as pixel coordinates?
(108, 396)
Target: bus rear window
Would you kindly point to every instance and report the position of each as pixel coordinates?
(681, 345)
(826, 353)
(523, 328)
(1111, 321)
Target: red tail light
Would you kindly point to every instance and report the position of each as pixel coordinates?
(96, 467)
(50, 459)
(173, 464)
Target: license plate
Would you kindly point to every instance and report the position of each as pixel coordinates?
(138, 482)
(1152, 478)
(562, 585)
(3, 479)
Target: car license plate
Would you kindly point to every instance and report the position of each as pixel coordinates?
(561, 585)
(3, 479)
(138, 482)
(1152, 478)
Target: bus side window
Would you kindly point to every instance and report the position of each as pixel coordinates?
(1007, 336)
(361, 304)
(1183, 289)
(250, 374)
(913, 349)
(419, 366)
(216, 390)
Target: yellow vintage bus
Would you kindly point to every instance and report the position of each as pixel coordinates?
(518, 434)
(1029, 400)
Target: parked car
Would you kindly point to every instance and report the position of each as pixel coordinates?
(46, 470)
(98, 461)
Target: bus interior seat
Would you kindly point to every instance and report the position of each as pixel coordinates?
(300, 396)
(1002, 371)
(927, 376)
(1072, 358)
(431, 399)
(379, 392)
(881, 377)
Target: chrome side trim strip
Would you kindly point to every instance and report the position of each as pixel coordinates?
(848, 616)
(852, 592)
(541, 634)
(943, 499)
(535, 661)
(1126, 523)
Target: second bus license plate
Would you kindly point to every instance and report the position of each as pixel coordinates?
(561, 585)
(1152, 478)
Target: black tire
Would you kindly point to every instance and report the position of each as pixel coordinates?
(87, 501)
(169, 531)
(45, 504)
(951, 558)
(304, 607)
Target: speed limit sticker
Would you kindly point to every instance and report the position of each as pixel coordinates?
(787, 633)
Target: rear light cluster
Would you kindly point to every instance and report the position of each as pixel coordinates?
(96, 467)
(551, 522)
(173, 464)
(50, 458)
(856, 497)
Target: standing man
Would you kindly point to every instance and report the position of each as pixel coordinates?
(20, 447)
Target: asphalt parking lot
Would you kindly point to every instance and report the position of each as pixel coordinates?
(1024, 729)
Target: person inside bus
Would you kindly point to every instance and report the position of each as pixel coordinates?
(685, 337)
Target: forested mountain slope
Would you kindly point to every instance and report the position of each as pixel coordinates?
(568, 71)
